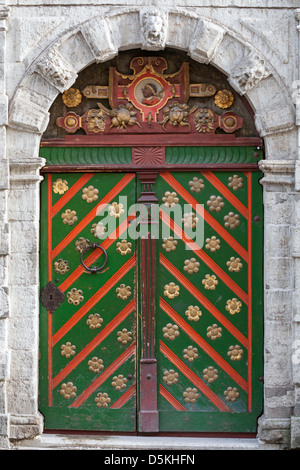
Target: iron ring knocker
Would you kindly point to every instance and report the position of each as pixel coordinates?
(93, 270)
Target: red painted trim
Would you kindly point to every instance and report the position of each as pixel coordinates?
(172, 400)
(71, 192)
(124, 398)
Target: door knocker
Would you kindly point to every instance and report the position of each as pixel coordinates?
(93, 269)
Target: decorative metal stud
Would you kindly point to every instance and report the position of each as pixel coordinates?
(169, 244)
(119, 382)
(191, 266)
(75, 296)
(196, 185)
(214, 332)
(170, 331)
(171, 290)
(232, 220)
(69, 217)
(68, 350)
(68, 390)
(212, 244)
(124, 336)
(210, 282)
(210, 374)
(190, 353)
(235, 353)
(102, 400)
(193, 313)
(215, 203)
(61, 266)
(94, 321)
(60, 186)
(98, 230)
(124, 247)
(233, 306)
(81, 244)
(123, 292)
(231, 394)
(191, 395)
(116, 209)
(95, 365)
(234, 264)
(235, 182)
(170, 377)
(190, 220)
(170, 199)
(90, 194)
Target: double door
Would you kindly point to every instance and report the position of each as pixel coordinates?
(151, 314)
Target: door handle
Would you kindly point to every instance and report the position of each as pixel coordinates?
(93, 269)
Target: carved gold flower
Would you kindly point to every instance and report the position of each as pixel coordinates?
(231, 394)
(191, 395)
(119, 382)
(170, 199)
(75, 296)
(210, 282)
(68, 350)
(169, 244)
(232, 220)
(102, 400)
(68, 390)
(72, 97)
(191, 266)
(81, 244)
(233, 306)
(90, 194)
(212, 244)
(124, 247)
(170, 377)
(234, 264)
(224, 99)
(69, 217)
(210, 374)
(116, 209)
(190, 353)
(60, 186)
(98, 229)
(215, 203)
(196, 184)
(95, 365)
(61, 266)
(235, 182)
(193, 313)
(94, 321)
(123, 292)
(170, 331)
(171, 290)
(124, 336)
(235, 353)
(214, 332)
(190, 220)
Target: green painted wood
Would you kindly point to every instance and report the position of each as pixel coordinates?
(86, 155)
(192, 155)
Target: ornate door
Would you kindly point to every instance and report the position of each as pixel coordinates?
(151, 315)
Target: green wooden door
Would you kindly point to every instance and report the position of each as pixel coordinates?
(199, 281)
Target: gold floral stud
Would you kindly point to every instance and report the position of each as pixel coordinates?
(170, 377)
(235, 182)
(212, 244)
(171, 290)
(90, 194)
(215, 203)
(210, 282)
(68, 350)
(191, 395)
(72, 97)
(95, 365)
(69, 217)
(193, 313)
(102, 400)
(231, 394)
(170, 331)
(232, 220)
(190, 353)
(94, 321)
(60, 186)
(191, 266)
(214, 332)
(210, 374)
(124, 336)
(233, 306)
(235, 353)
(75, 296)
(124, 247)
(68, 390)
(81, 244)
(169, 244)
(61, 266)
(196, 184)
(234, 264)
(170, 199)
(119, 382)
(98, 230)
(123, 292)
(224, 99)
(116, 209)
(190, 220)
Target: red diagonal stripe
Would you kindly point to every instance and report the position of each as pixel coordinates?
(94, 299)
(172, 400)
(202, 255)
(71, 192)
(104, 376)
(203, 300)
(203, 344)
(124, 398)
(94, 343)
(193, 378)
(204, 214)
(212, 178)
(92, 214)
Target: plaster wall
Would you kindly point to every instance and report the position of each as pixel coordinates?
(43, 46)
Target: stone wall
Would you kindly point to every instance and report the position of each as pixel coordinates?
(43, 47)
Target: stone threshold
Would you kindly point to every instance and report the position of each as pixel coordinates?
(138, 443)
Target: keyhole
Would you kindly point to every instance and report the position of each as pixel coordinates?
(50, 297)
